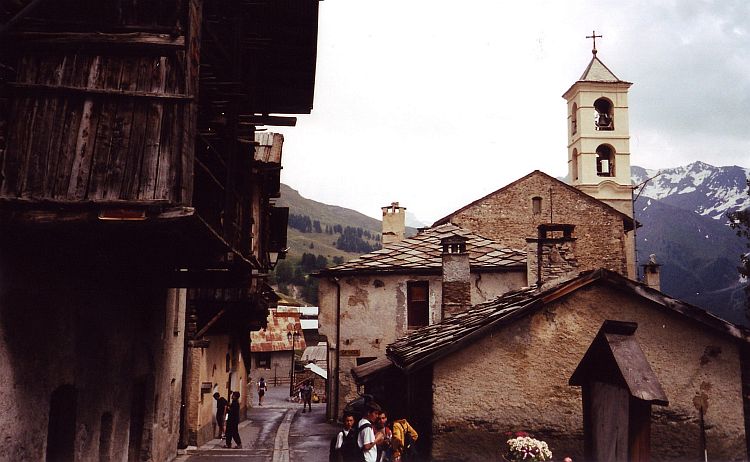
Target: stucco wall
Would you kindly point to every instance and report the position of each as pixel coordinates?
(105, 343)
(373, 314)
(517, 379)
(507, 217)
(213, 368)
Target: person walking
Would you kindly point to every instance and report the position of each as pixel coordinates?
(306, 391)
(233, 421)
(262, 388)
(221, 409)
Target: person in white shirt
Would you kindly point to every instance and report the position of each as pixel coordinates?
(348, 452)
(367, 439)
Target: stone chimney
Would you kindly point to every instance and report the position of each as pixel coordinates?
(394, 223)
(651, 273)
(552, 254)
(456, 276)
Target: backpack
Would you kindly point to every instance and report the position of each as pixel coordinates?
(349, 450)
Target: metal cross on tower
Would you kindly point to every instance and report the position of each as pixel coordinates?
(594, 36)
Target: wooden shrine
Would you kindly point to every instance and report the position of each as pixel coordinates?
(619, 388)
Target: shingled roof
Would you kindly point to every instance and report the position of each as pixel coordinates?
(273, 337)
(428, 344)
(422, 253)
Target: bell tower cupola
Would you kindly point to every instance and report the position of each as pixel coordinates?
(599, 135)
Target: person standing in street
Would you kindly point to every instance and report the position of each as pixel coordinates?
(367, 440)
(221, 409)
(233, 421)
(262, 388)
(382, 428)
(306, 391)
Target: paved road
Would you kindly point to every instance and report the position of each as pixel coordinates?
(278, 431)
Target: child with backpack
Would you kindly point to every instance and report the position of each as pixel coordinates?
(344, 447)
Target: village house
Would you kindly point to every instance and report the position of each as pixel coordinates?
(374, 299)
(505, 365)
(274, 350)
(137, 225)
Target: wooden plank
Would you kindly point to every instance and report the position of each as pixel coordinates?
(131, 172)
(102, 92)
(85, 139)
(149, 166)
(101, 160)
(158, 43)
(122, 129)
(35, 182)
(72, 73)
(56, 131)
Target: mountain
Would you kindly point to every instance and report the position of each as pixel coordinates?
(699, 187)
(683, 213)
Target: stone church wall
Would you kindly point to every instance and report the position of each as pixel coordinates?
(517, 380)
(507, 217)
(111, 353)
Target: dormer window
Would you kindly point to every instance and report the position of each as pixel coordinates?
(536, 205)
(605, 160)
(603, 117)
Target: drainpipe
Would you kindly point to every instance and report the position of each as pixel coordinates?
(337, 363)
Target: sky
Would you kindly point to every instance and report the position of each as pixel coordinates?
(436, 103)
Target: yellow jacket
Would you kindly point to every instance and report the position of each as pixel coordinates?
(400, 428)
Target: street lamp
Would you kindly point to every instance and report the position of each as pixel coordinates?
(292, 337)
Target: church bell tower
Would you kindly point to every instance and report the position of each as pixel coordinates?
(599, 135)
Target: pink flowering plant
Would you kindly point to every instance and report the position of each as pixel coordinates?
(522, 447)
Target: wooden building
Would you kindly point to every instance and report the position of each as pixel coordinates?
(128, 169)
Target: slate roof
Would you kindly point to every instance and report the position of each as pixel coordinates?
(273, 337)
(423, 252)
(431, 343)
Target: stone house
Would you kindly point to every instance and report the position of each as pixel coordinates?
(271, 350)
(370, 301)
(505, 366)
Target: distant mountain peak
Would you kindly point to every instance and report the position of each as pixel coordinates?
(699, 187)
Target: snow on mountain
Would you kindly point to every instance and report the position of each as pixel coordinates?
(702, 188)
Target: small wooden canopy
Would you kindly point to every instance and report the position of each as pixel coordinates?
(615, 357)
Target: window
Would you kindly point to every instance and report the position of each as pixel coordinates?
(603, 119)
(574, 166)
(536, 205)
(417, 301)
(605, 161)
(574, 119)
(262, 360)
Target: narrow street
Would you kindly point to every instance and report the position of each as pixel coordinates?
(278, 431)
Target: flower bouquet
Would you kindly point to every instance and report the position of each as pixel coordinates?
(521, 447)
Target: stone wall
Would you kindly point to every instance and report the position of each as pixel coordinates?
(111, 353)
(507, 217)
(517, 380)
(373, 314)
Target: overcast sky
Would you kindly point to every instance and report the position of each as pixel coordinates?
(435, 103)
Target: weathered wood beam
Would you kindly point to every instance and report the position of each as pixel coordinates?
(278, 121)
(36, 87)
(82, 39)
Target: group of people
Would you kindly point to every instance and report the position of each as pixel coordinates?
(374, 439)
(228, 419)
